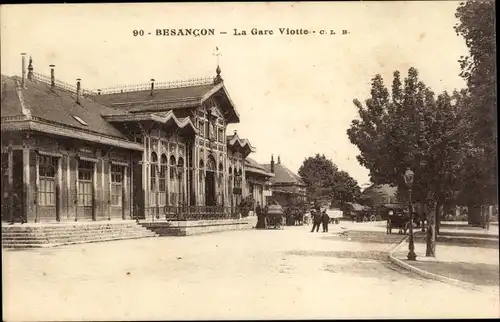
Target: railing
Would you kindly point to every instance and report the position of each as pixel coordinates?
(184, 213)
(157, 85)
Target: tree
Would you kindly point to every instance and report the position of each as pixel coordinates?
(317, 172)
(410, 129)
(345, 189)
(326, 182)
(477, 26)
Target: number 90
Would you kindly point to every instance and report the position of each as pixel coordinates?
(138, 33)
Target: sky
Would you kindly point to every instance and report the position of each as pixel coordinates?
(293, 93)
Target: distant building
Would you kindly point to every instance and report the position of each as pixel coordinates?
(286, 186)
(130, 152)
(378, 195)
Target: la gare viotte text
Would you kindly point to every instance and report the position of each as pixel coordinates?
(198, 32)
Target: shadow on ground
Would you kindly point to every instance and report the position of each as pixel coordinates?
(361, 255)
(476, 273)
(464, 234)
(463, 241)
(378, 237)
(372, 269)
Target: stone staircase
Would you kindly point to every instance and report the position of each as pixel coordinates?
(57, 234)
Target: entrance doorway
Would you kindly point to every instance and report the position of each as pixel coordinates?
(18, 185)
(210, 199)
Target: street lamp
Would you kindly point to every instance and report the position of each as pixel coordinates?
(408, 176)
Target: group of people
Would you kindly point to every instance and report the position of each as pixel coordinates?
(320, 218)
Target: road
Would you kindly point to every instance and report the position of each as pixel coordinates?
(253, 274)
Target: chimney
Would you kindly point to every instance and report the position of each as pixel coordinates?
(30, 69)
(23, 57)
(78, 91)
(279, 160)
(52, 77)
(272, 163)
(152, 85)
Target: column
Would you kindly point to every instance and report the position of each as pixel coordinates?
(94, 192)
(145, 175)
(195, 172)
(10, 181)
(58, 188)
(125, 199)
(26, 185)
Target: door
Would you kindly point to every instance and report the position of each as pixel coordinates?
(18, 185)
(85, 190)
(210, 189)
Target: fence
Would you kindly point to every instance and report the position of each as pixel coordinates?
(188, 213)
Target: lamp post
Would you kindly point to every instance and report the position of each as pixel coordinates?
(408, 176)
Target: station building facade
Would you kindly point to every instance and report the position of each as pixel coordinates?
(152, 149)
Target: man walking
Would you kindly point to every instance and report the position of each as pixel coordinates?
(316, 217)
(325, 220)
(17, 210)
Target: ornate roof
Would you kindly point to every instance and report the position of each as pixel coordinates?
(185, 95)
(254, 167)
(283, 175)
(55, 108)
(236, 143)
(165, 118)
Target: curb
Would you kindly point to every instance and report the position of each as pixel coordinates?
(427, 274)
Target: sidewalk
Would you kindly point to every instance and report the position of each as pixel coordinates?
(463, 253)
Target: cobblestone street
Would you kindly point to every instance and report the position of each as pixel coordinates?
(253, 274)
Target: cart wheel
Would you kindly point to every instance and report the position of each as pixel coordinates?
(372, 218)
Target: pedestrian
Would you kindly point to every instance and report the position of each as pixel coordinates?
(17, 210)
(316, 217)
(265, 216)
(325, 220)
(260, 217)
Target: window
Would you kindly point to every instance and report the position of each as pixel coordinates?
(47, 176)
(201, 128)
(153, 169)
(82, 122)
(116, 185)
(173, 185)
(85, 177)
(162, 180)
(221, 135)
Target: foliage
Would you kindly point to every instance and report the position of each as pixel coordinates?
(412, 129)
(326, 182)
(477, 26)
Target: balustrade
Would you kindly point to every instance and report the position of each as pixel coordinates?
(185, 212)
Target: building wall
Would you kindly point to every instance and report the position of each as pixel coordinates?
(53, 196)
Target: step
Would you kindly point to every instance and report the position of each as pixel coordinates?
(66, 235)
(28, 245)
(72, 240)
(49, 231)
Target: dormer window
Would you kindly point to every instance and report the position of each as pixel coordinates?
(82, 122)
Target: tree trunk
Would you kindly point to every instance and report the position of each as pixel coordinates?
(474, 216)
(431, 230)
(439, 214)
(421, 212)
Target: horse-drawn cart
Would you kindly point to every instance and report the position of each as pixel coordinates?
(274, 216)
(399, 221)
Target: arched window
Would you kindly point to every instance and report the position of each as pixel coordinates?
(162, 183)
(211, 165)
(201, 169)
(221, 167)
(172, 167)
(153, 170)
